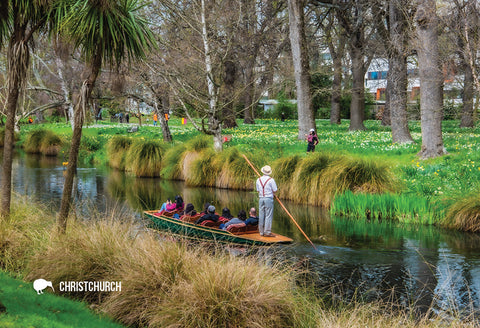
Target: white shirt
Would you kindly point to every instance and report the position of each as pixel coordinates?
(266, 186)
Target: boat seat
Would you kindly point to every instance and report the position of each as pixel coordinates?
(190, 218)
(210, 223)
(238, 230)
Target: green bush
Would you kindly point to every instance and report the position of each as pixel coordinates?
(33, 141)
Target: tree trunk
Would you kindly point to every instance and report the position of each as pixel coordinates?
(18, 62)
(80, 109)
(336, 91)
(357, 107)
(167, 136)
(306, 119)
(431, 80)
(228, 108)
(248, 97)
(386, 115)
(467, 120)
(397, 76)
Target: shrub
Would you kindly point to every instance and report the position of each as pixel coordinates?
(117, 148)
(144, 158)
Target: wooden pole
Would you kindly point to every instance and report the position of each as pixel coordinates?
(281, 204)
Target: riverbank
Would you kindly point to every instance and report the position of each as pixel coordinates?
(178, 283)
(416, 192)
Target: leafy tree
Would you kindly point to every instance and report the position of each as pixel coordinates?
(105, 31)
(20, 20)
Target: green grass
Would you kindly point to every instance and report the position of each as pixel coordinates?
(25, 309)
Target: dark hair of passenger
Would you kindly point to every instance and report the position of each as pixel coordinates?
(226, 213)
(242, 215)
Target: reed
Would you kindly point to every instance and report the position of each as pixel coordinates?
(33, 141)
(399, 207)
(464, 213)
(117, 148)
(144, 158)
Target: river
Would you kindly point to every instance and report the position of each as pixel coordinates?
(421, 265)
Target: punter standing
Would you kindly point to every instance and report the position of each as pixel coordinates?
(266, 188)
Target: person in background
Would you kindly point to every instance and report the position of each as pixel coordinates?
(253, 218)
(127, 118)
(155, 119)
(266, 188)
(312, 140)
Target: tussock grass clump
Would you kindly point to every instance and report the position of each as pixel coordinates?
(182, 287)
(23, 232)
(51, 144)
(203, 169)
(33, 141)
(235, 173)
(144, 158)
(285, 167)
(305, 184)
(117, 148)
(464, 214)
(199, 143)
(88, 251)
(173, 163)
(357, 174)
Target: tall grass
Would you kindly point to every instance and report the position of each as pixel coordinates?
(144, 158)
(464, 213)
(402, 208)
(117, 148)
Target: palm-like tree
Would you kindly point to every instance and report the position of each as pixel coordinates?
(19, 21)
(105, 31)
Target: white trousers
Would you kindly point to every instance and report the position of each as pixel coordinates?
(265, 217)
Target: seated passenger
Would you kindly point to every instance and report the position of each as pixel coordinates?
(242, 216)
(189, 210)
(179, 205)
(205, 208)
(168, 206)
(211, 216)
(253, 219)
(225, 215)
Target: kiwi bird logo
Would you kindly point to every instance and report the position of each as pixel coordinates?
(40, 284)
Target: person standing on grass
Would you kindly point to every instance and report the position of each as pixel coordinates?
(155, 119)
(266, 188)
(312, 140)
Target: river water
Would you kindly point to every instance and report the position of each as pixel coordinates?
(420, 265)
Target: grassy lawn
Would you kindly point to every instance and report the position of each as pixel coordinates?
(20, 307)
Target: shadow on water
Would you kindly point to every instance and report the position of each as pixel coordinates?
(420, 265)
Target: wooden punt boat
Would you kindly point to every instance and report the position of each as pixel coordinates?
(164, 223)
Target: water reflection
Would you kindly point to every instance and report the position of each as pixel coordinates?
(419, 265)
